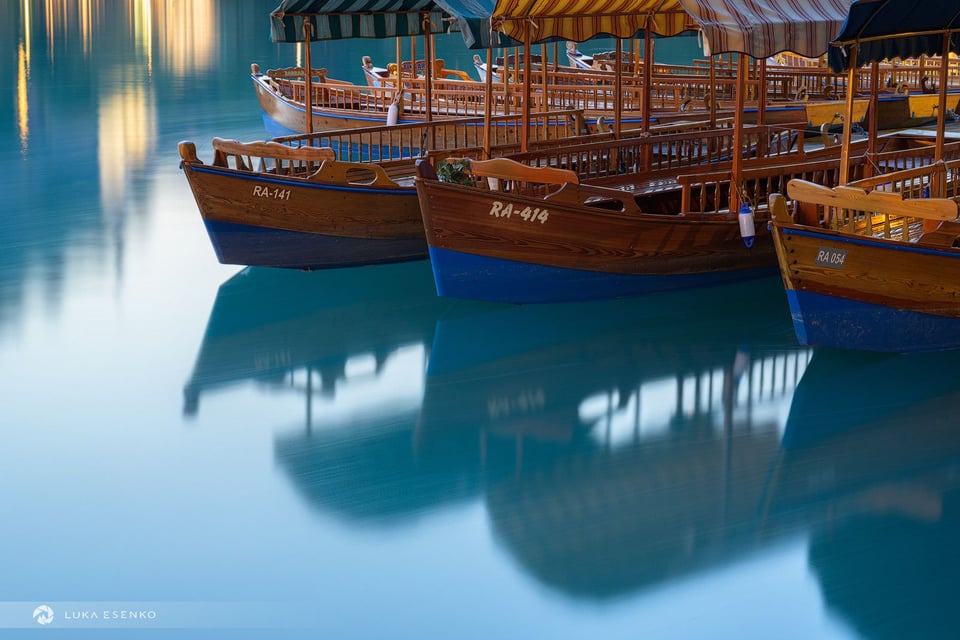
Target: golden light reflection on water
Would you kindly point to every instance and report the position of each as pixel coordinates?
(23, 112)
(86, 25)
(23, 77)
(126, 129)
(143, 31)
(187, 33)
(183, 33)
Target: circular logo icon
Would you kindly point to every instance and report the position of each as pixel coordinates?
(43, 614)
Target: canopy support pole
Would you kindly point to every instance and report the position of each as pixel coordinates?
(428, 77)
(399, 96)
(737, 168)
(848, 118)
(527, 78)
(762, 92)
(543, 72)
(487, 103)
(647, 77)
(307, 76)
(942, 101)
(618, 91)
(712, 92)
(505, 78)
(873, 119)
(938, 186)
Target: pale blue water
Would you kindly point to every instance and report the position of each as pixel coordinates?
(344, 455)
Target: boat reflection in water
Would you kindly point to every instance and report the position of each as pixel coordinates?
(872, 452)
(624, 447)
(339, 338)
(615, 445)
(271, 325)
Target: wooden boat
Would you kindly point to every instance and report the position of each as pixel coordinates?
(346, 198)
(308, 211)
(622, 217)
(866, 275)
(873, 263)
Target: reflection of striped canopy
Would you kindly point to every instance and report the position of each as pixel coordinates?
(336, 19)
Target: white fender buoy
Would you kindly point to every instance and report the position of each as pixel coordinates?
(747, 229)
(393, 114)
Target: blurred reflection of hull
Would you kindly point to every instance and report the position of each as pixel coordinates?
(267, 323)
(862, 420)
(874, 442)
(370, 472)
(596, 518)
(601, 524)
(528, 368)
(892, 576)
(599, 502)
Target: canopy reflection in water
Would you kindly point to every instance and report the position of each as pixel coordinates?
(615, 446)
(623, 447)
(295, 331)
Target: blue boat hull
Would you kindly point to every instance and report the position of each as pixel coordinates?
(463, 275)
(829, 321)
(267, 247)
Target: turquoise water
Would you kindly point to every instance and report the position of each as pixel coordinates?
(197, 450)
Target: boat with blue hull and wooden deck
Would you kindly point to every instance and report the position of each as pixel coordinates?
(336, 199)
(874, 264)
(628, 217)
(850, 289)
(307, 211)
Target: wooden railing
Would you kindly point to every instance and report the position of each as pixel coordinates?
(710, 191)
(674, 152)
(672, 87)
(418, 139)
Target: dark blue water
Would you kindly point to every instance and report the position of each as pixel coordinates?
(215, 452)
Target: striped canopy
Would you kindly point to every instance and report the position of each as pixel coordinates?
(488, 23)
(759, 28)
(888, 29)
(763, 28)
(580, 20)
(336, 19)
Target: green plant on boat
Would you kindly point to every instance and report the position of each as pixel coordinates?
(455, 171)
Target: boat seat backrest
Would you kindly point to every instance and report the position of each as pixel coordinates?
(504, 174)
(876, 201)
(271, 157)
(354, 173)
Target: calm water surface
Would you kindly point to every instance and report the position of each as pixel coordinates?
(256, 453)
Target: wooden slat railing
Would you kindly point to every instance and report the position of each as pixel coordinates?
(675, 152)
(418, 139)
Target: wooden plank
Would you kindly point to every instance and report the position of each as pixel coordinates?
(846, 197)
(273, 150)
(506, 169)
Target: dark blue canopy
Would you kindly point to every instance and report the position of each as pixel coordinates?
(887, 29)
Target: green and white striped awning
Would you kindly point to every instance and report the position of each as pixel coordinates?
(338, 19)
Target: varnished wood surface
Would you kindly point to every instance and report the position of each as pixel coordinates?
(311, 205)
(923, 276)
(579, 236)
